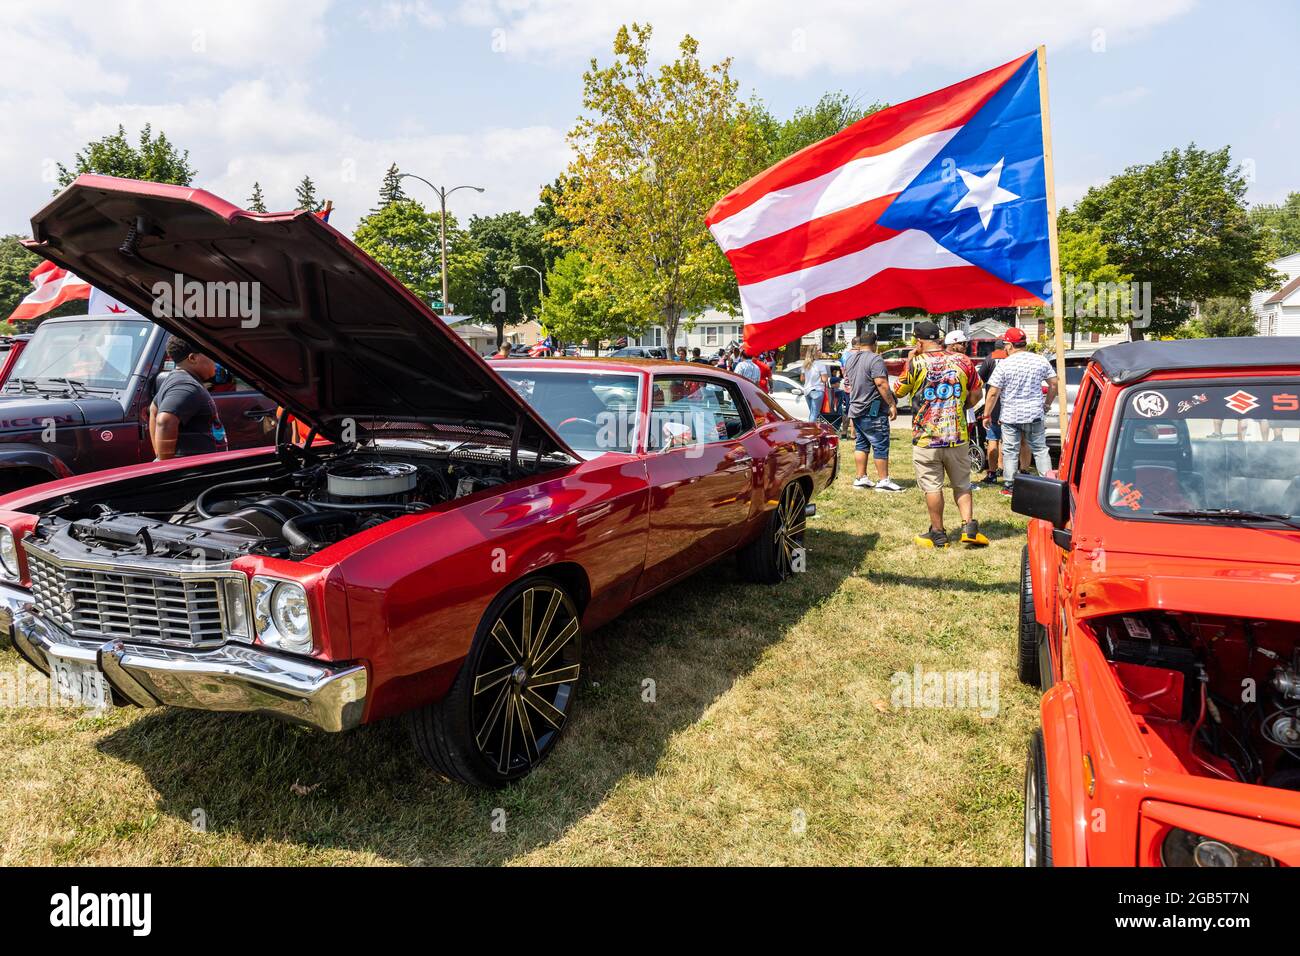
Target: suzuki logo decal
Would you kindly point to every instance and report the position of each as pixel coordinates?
(1241, 402)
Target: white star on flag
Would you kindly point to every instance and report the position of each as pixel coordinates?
(984, 192)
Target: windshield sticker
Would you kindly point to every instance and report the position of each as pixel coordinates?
(1241, 402)
(1123, 493)
(1150, 404)
(1263, 401)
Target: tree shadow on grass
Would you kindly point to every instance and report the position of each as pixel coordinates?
(295, 792)
(934, 583)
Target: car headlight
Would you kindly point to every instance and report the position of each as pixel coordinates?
(281, 616)
(1184, 848)
(9, 554)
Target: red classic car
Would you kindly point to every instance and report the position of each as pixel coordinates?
(442, 556)
(1160, 612)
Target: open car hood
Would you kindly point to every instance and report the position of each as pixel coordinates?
(336, 339)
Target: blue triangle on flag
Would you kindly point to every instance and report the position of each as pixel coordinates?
(1004, 236)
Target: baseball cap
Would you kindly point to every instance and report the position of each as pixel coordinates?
(954, 337)
(926, 330)
(1014, 336)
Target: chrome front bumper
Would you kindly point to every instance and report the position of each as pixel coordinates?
(234, 677)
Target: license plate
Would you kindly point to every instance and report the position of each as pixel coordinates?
(81, 685)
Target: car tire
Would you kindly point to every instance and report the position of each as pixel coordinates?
(512, 698)
(778, 551)
(1038, 805)
(1028, 629)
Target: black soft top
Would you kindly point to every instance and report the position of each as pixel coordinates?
(1133, 361)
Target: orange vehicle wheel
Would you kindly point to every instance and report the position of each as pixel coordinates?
(1038, 810)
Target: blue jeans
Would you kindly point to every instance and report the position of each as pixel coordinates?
(1035, 434)
(872, 434)
(815, 404)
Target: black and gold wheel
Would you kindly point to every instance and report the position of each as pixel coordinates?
(778, 551)
(514, 693)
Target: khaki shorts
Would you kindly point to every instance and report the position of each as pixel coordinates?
(931, 463)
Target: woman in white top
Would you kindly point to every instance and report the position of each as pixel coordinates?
(815, 381)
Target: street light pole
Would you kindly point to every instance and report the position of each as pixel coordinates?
(442, 225)
(540, 291)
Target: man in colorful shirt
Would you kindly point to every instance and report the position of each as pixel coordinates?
(943, 385)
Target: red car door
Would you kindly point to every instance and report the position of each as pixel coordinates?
(248, 415)
(700, 473)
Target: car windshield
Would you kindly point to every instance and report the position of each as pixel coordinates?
(99, 354)
(1200, 452)
(593, 412)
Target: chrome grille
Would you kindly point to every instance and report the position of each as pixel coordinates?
(100, 602)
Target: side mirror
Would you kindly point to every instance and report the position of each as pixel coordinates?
(1038, 497)
(797, 392)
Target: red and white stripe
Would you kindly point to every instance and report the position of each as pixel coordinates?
(804, 239)
(54, 286)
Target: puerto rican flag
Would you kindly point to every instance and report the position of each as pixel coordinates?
(939, 203)
(54, 286)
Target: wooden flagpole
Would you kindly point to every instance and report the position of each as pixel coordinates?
(1058, 317)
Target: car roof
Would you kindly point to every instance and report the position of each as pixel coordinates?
(618, 364)
(1134, 361)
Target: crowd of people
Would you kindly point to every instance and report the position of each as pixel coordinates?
(953, 398)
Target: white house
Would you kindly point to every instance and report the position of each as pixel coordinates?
(1278, 312)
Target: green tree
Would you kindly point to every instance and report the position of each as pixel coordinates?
(16, 265)
(500, 292)
(1221, 317)
(828, 116)
(654, 150)
(1279, 225)
(1180, 224)
(154, 158)
(403, 237)
(1095, 289)
(390, 190)
(579, 305)
(257, 202)
(306, 196)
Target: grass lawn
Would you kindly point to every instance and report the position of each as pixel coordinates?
(772, 737)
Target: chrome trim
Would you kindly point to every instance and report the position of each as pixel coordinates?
(237, 678)
(13, 601)
(216, 575)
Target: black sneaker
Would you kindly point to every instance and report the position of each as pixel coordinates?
(932, 539)
(970, 534)
(991, 479)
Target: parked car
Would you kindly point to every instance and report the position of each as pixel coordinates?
(13, 346)
(1075, 363)
(789, 394)
(1160, 612)
(640, 352)
(443, 558)
(77, 399)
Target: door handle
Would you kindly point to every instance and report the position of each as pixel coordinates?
(258, 414)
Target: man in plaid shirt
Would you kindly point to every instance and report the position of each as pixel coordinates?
(1016, 388)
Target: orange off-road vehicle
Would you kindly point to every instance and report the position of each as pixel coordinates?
(1160, 612)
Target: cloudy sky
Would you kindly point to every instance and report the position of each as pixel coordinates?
(483, 91)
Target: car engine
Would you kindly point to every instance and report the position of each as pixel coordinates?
(1224, 692)
(290, 513)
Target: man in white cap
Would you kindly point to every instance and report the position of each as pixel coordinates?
(955, 341)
